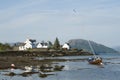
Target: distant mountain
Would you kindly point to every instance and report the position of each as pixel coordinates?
(117, 48)
(83, 44)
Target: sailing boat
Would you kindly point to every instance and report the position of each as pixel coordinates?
(94, 59)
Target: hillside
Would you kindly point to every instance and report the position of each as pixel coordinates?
(117, 48)
(83, 44)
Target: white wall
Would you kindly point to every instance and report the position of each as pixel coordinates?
(66, 46)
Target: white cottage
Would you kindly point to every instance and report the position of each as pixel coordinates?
(29, 43)
(42, 45)
(39, 45)
(66, 46)
(21, 46)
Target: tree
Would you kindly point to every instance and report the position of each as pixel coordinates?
(50, 45)
(56, 44)
(5, 46)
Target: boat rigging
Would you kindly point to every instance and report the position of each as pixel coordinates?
(95, 59)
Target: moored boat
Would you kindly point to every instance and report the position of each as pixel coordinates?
(94, 59)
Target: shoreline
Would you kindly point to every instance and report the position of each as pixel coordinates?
(27, 58)
(21, 62)
(44, 53)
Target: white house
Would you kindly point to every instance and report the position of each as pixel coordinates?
(45, 46)
(39, 45)
(66, 46)
(21, 46)
(42, 45)
(29, 43)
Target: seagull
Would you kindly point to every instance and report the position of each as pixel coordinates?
(74, 10)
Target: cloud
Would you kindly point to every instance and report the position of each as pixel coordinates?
(95, 20)
(18, 9)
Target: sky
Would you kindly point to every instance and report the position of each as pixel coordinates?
(95, 20)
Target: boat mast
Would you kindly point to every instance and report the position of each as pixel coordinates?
(91, 48)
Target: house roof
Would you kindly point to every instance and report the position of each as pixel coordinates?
(32, 40)
(38, 43)
(43, 44)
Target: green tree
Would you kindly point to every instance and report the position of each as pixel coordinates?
(5, 46)
(56, 44)
(50, 45)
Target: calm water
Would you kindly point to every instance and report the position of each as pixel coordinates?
(78, 69)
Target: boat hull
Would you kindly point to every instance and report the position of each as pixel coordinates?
(95, 61)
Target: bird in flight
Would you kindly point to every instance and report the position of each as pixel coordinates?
(74, 10)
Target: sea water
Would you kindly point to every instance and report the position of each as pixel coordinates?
(77, 68)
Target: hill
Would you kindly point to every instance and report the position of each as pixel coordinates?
(83, 44)
(117, 48)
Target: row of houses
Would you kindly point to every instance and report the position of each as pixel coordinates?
(32, 43)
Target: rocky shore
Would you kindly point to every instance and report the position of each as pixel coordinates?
(28, 58)
(21, 62)
(43, 53)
